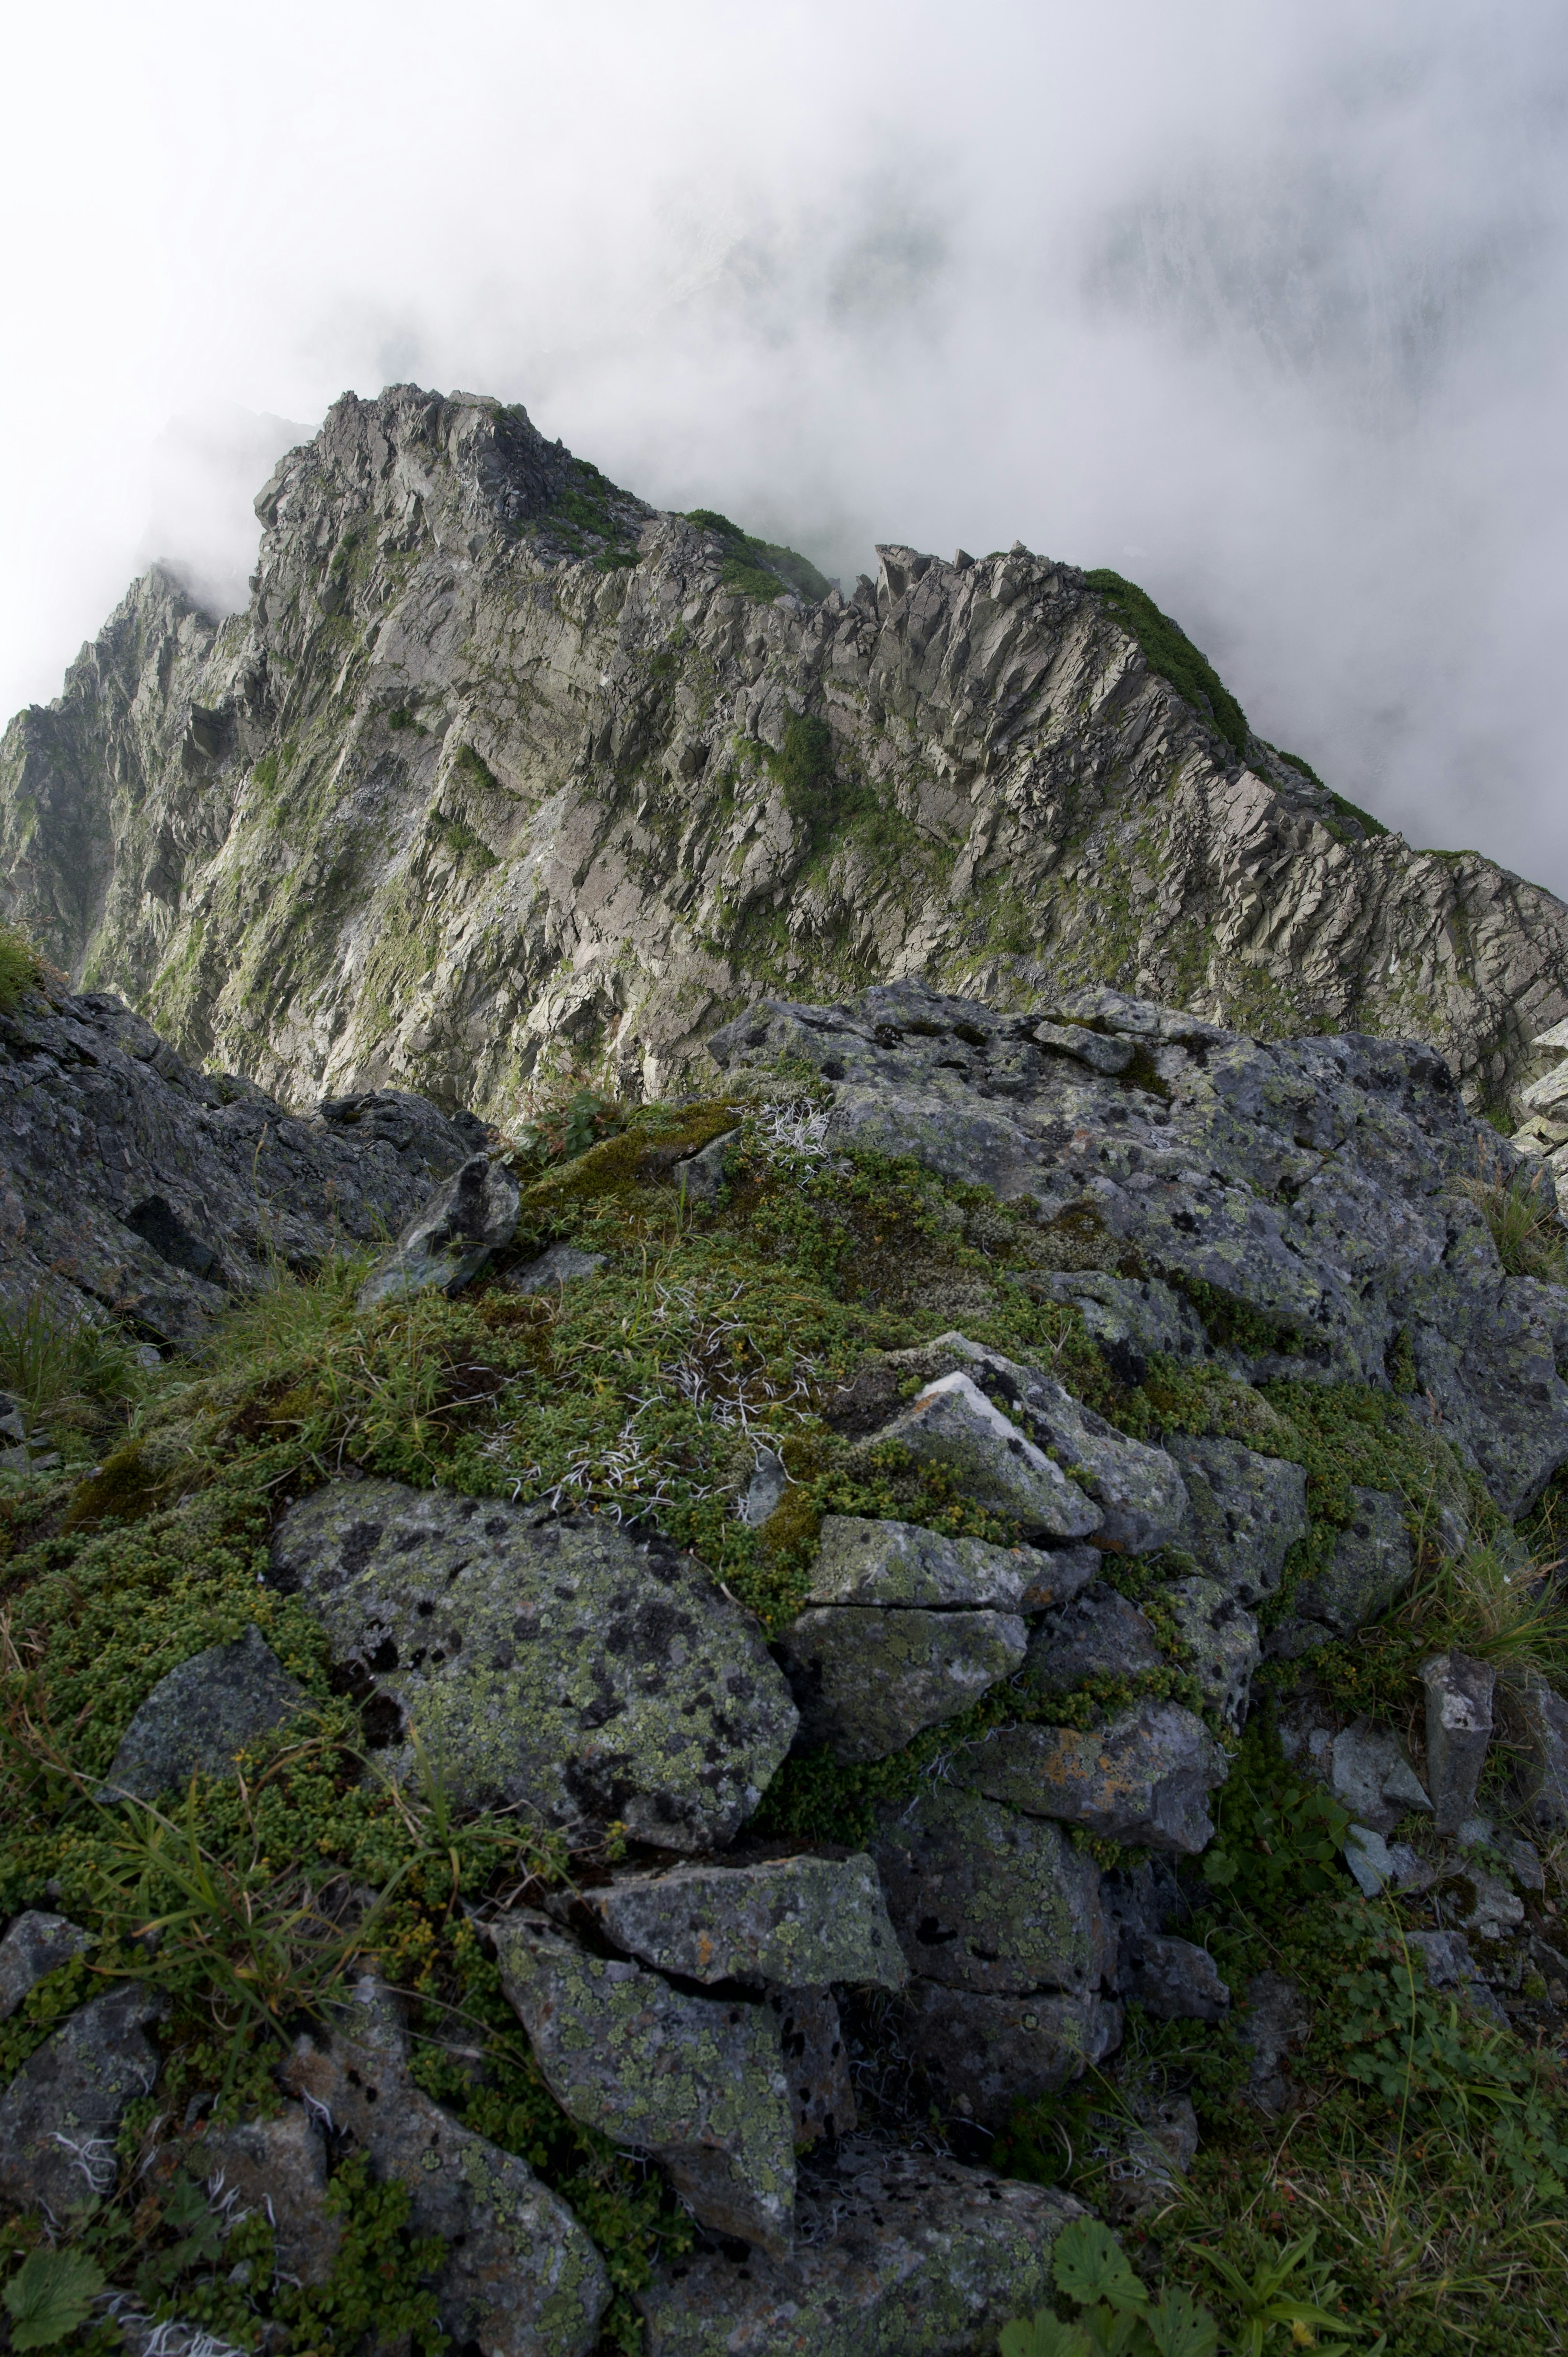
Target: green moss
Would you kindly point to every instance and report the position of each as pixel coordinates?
(1171, 655)
(760, 568)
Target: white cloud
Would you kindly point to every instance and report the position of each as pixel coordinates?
(1274, 298)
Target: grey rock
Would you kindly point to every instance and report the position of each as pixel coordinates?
(867, 1681)
(860, 1561)
(1098, 1635)
(1091, 1047)
(12, 1426)
(1062, 1573)
(702, 1174)
(1132, 1318)
(559, 1665)
(1371, 1565)
(765, 1489)
(1459, 1733)
(277, 2166)
(794, 1922)
(1369, 1860)
(1142, 1777)
(61, 2113)
(1495, 1912)
(816, 2064)
(102, 1123)
(1524, 1863)
(901, 2253)
(34, 1945)
(983, 2055)
(202, 1716)
(447, 1242)
(1138, 1490)
(524, 2280)
(983, 1898)
(698, 2082)
(1446, 1957)
(1539, 1718)
(1275, 2020)
(953, 1425)
(1219, 1642)
(1248, 1510)
(1171, 1978)
(1372, 1778)
(554, 1269)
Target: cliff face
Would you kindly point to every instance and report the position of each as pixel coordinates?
(501, 765)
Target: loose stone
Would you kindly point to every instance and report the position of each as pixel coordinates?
(866, 1682)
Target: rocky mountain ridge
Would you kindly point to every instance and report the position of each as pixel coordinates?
(501, 767)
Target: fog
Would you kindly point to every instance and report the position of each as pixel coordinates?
(1262, 306)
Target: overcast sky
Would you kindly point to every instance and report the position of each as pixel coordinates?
(1263, 303)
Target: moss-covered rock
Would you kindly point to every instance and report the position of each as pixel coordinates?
(984, 1898)
(791, 1922)
(868, 1681)
(1142, 1776)
(198, 1718)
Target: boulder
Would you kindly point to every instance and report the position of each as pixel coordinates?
(866, 1682)
(1459, 1733)
(61, 2113)
(791, 1922)
(893, 1563)
(1370, 1566)
(697, 2082)
(560, 1667)
(953, 1425)
(524, 2280)
(816, 2063)
(1248, 1510)
(33, 1946)
(1098, 1635)
(984, 1898)
(1219, 1640)
(1138, 1490)
(202, 1716)
(901, 2253)
(277, 2166)
(1143, 1776)
(1372, 1778)
(983, 2055)
(702, 1174)
(1171, 1978)
(447, 1242)
(556, 1267)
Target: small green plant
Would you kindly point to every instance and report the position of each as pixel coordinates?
(1171, 655)
(49, 1361)
(21, 968)
(1521, 1210)
(50, 2296)
(1117, 2318)
(565, 1120)
(1265, 2299)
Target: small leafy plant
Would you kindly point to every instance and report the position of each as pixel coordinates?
(1117, 2316)
(50, 2296)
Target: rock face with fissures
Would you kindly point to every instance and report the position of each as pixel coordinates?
(560, 1667)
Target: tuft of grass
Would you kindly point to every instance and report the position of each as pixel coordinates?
(21, 968)
(1521, 1210)
(757, 568)
(51, 1363)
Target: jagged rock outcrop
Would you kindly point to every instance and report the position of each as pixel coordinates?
(499, 760)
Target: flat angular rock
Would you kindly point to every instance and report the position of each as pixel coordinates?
(524, 2280)
(902, 2254)
(1219, 1642)
(202, 1716)
(793, 1922)
(563, 1666)
(816, 2063)
(983, 2055)
(1539, 1729)
(697, 2082)
(556, 1267)
(893, 1563)
(1098, 1635)
(33, 1946)
(1138, 1490)
(1459, 1733)
(1171, 1978)
(1248, 1510)
(61, 2113)
(1091, 1047)
(702, 1174)
(448, 1243)
(1144, 1777)
(866, 1682)
(953, 1425)
(1370, 1566)
(279, 2166)
(1372, 1778)
(983, 1898)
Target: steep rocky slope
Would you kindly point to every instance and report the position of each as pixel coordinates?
(501, 764)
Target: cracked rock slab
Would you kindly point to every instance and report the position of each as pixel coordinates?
(953, 1425)
(697, 2082)
(891, 1563)
(202, 1716)
(524, 2280)
(560, 1667)
(1371, 1565)
(1459, 1690)
(792, 1922)
(984, 2054)
(867, 1681)
(984, 1898)
(1541, 1733)
(1248, 1510)
(1142, 1777)
(1219, 1642)
(908, 2255)
(61, 2113)
(1098, 1635)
